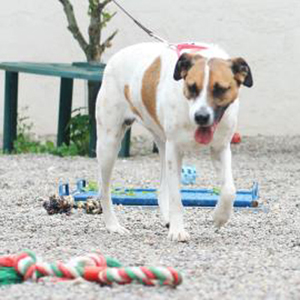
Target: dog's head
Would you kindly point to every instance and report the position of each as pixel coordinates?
(210, 86)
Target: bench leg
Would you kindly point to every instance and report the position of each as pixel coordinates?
(93, 88)
(65, 110)
(10, 110)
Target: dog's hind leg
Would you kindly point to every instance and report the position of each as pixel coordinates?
(111, 125)
(221, 159)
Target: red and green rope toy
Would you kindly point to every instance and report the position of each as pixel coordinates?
(92, 267)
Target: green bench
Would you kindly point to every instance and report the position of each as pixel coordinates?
(67, 73)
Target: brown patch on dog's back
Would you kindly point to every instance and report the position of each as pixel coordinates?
(128, 98)
(149, 88)
(223, 88)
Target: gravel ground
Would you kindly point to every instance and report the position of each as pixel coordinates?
(255, 256)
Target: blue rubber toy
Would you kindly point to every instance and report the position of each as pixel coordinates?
(188, 175)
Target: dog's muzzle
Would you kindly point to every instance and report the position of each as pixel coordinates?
(202, 118)
(205, 131)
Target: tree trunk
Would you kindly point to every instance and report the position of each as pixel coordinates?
(92, 49)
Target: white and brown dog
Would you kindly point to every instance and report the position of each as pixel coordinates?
(185, 95)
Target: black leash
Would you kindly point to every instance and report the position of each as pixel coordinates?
(148, 31)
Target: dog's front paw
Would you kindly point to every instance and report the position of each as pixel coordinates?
(117, 228)
(221, 215)
(178, 235)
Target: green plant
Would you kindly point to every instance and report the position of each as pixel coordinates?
(92, 186)
(79, 137)
(79, 128)
(24, 142)
(216, 190)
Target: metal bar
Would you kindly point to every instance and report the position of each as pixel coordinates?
(65, 110)
(93, 89)
(10, 110)
(150, 199)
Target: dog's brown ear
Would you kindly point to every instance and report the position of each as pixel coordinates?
(183, 64)
(241, 71)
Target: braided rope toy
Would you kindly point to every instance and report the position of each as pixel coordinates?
(92, 267)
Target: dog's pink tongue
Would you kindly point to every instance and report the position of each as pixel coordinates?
(204, 135)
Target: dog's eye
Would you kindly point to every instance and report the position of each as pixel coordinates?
(193, 90)
(219, 90)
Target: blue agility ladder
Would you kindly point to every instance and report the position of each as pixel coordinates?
(148, 197)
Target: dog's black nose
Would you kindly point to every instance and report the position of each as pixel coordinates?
(202, 118)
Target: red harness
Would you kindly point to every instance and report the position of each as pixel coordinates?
(179, 48)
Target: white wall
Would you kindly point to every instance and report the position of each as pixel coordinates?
(266, 33)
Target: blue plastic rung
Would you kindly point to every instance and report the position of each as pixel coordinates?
(63, 189)
(81, 184)
(148, 197)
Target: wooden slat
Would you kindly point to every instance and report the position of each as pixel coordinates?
(80, 71)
